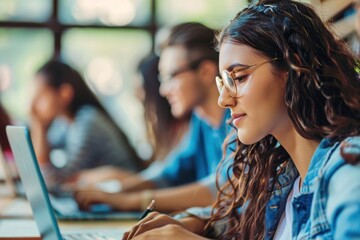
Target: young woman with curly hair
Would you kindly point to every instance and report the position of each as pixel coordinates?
(294, 95)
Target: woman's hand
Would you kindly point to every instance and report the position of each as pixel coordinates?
(118, 201)
(39, 122)
(92, 177)
(85, 198)
(170, 231)
(39, 127)
(158, 221)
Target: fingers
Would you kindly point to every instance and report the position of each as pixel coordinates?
(86, 198)
(82, 200)
(68, 187)
(170, 231)
(140, 225)
(151, 222)
(134, 231)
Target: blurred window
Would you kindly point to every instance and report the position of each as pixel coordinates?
(213, 13)
(25, 10)
(18, 61)
(105, 12)
(103, 39)
(110, 68)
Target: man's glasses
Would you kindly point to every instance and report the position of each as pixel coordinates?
(227, 78)
(190, 67)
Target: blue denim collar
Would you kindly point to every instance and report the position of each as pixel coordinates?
(288, 176)
(316, 163)
(285, 181)
(277, 201)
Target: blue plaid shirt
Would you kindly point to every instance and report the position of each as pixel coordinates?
(197, 156)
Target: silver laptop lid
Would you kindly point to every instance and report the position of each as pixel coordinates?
(34, 184)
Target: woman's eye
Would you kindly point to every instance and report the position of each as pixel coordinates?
(241, 78)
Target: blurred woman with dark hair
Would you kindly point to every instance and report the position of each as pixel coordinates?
(188, 65)
(4, 121)
(91, 138)
(164, 129)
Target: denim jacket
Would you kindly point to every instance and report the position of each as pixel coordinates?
(328, 206)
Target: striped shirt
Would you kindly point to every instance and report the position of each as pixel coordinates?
(90, 141)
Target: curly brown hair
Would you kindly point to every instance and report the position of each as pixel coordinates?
(322, 96)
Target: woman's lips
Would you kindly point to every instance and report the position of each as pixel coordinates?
(237, 118)
(171, 101)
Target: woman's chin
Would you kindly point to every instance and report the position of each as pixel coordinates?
(247, 139)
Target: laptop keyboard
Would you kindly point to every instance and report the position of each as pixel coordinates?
(86, 236)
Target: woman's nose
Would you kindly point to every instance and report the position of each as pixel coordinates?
(164, 89)
(225, 100)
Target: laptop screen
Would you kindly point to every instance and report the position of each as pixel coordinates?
(35, 188)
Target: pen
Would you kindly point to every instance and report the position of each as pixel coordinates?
(148, 209)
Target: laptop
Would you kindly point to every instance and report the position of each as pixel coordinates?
(36, 192)
(65, 208)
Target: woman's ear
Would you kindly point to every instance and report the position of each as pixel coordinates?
(66, 94)
(207, 72)
(284, 75)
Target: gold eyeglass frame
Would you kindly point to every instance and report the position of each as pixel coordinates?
(231, 75)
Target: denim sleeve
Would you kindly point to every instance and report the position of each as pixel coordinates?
(343, 206)
(197, 211)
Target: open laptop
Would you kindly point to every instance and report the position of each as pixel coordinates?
(65, 208)
(36, 192)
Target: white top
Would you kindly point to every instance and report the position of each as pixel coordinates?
(284, 229)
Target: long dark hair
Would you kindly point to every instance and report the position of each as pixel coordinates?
(4, 121)
(322, 96)
(163, 128)
(57, 73)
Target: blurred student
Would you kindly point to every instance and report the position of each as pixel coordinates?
(4, 143)
(4, 121)
(164, 131)
(296, 108)
(188, 66)
(91, 138)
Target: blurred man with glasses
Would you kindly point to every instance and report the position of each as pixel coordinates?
(188, 66)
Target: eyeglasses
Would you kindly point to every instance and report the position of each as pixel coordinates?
(190, 67)
(227, 78)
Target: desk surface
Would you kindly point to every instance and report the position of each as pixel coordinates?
(16, 221)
